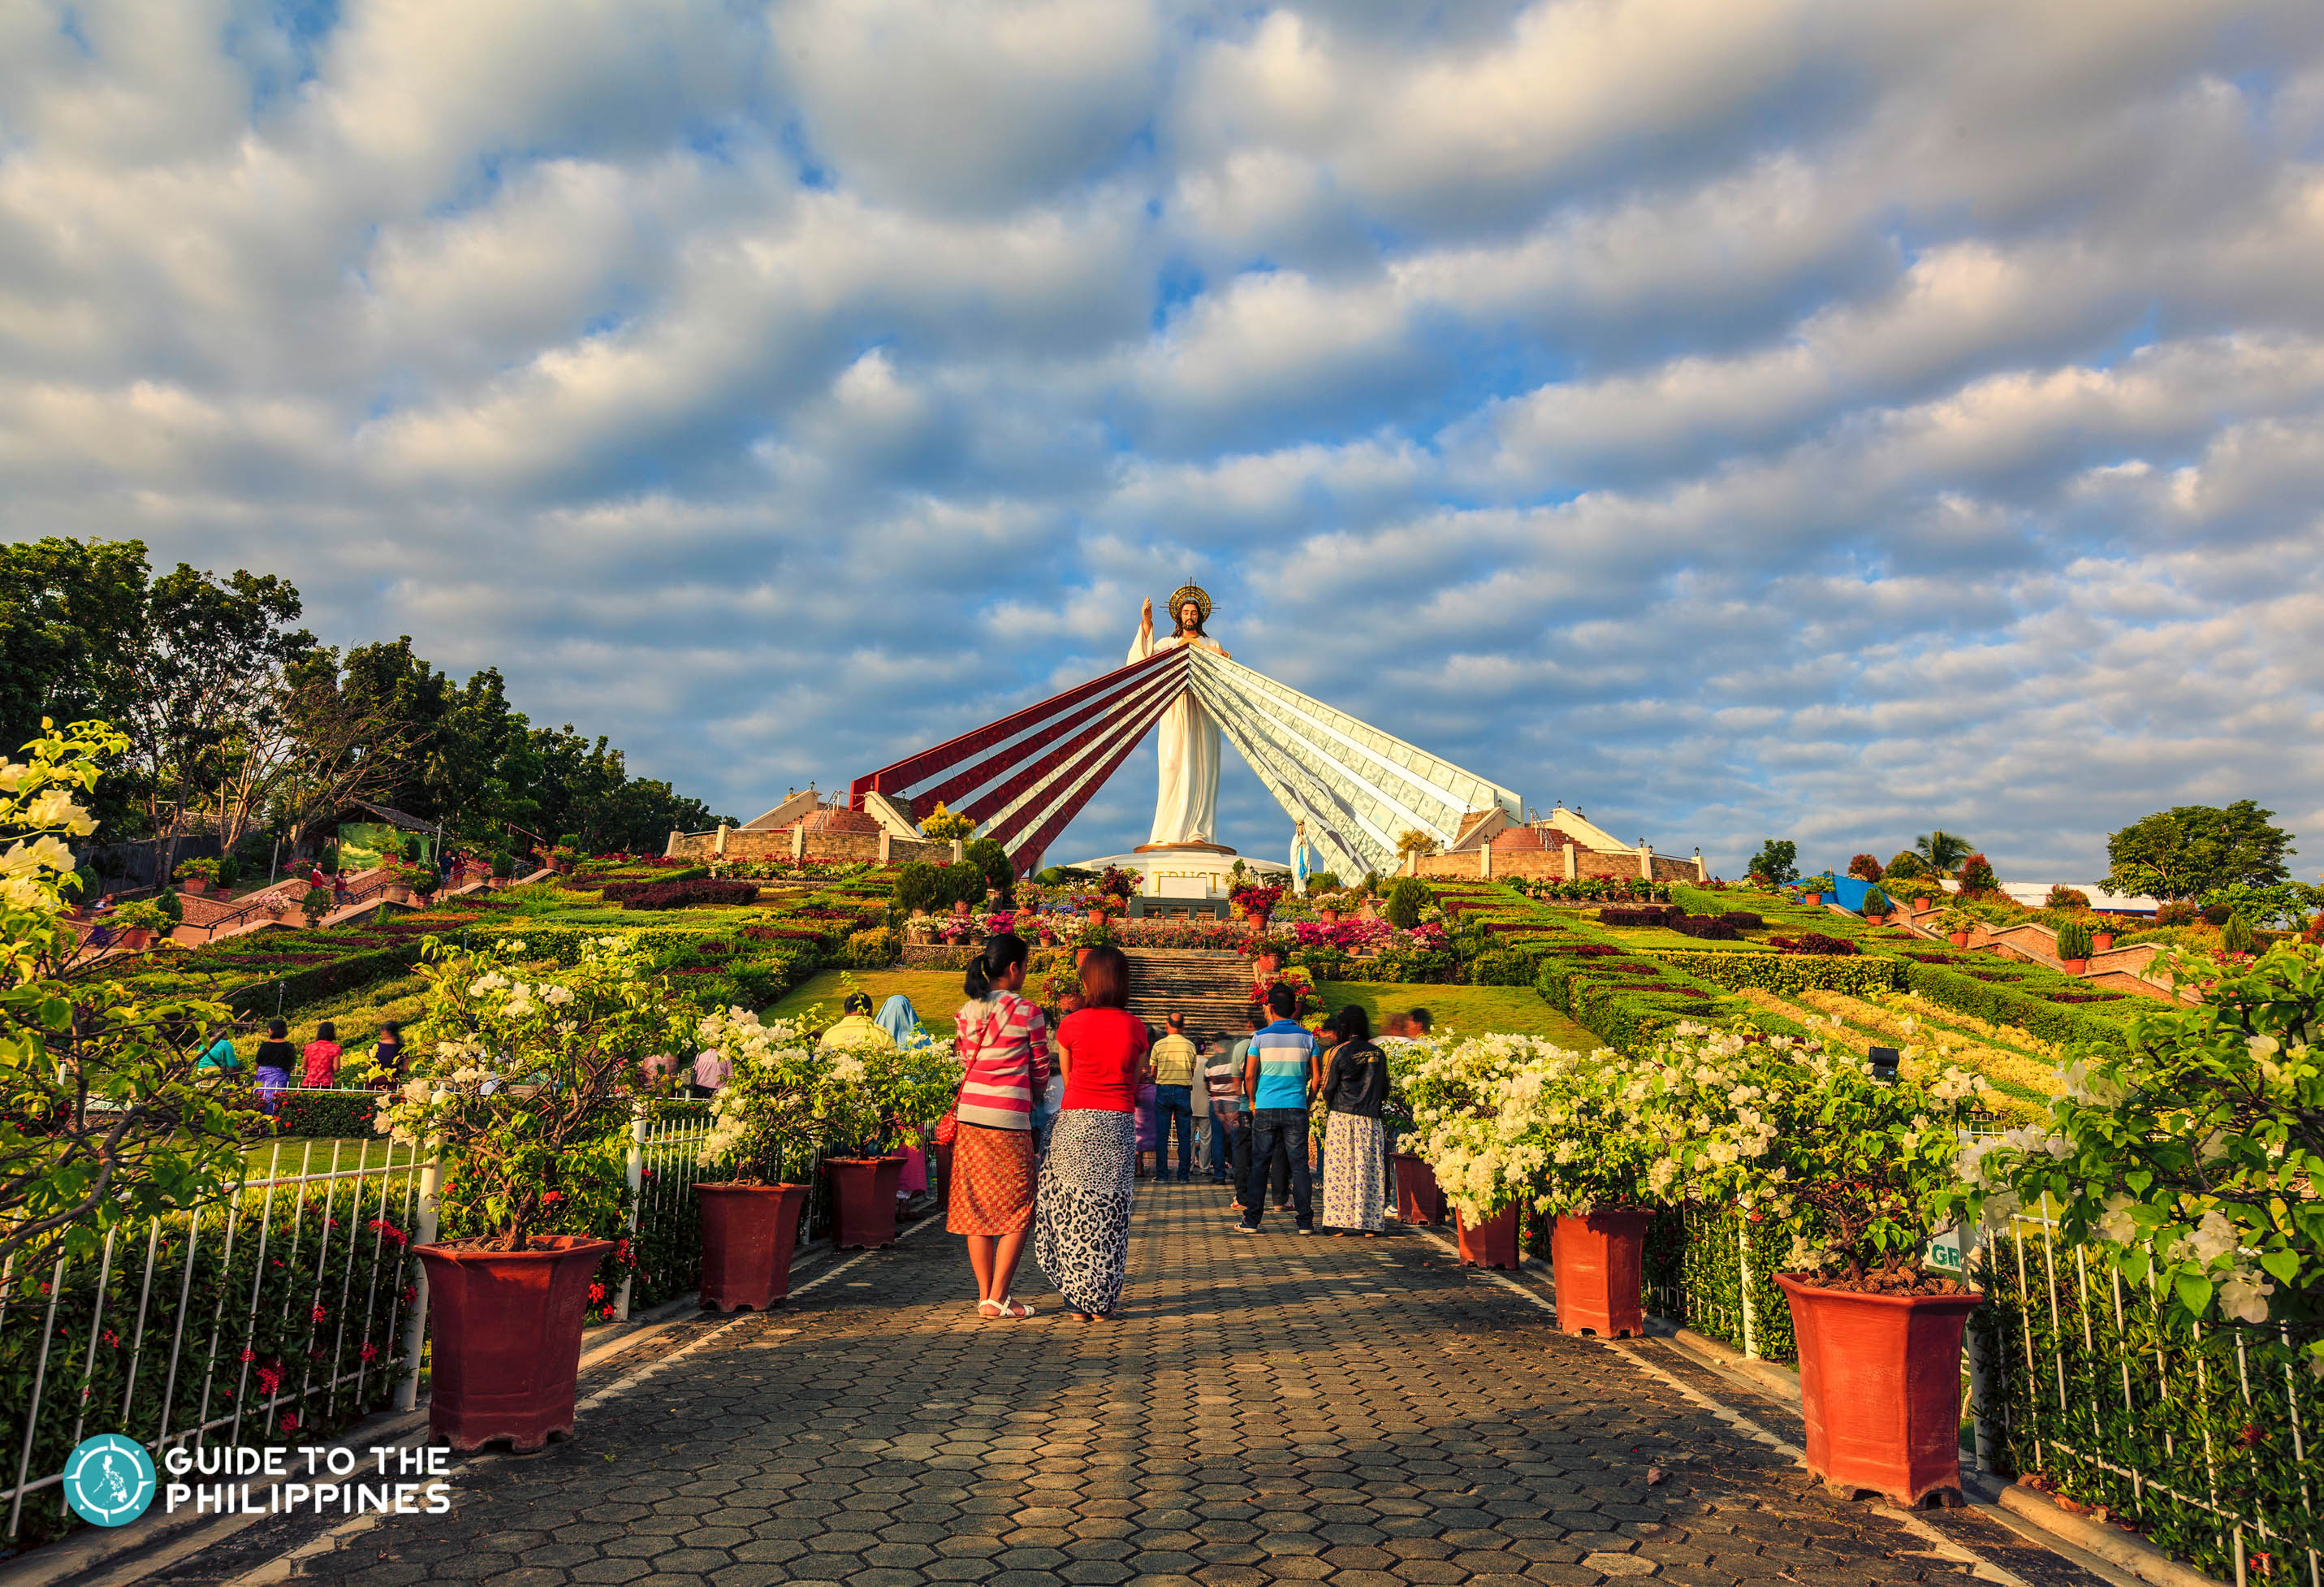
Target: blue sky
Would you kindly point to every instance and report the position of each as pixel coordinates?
(1731, 417)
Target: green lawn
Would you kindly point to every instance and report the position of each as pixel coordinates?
(1472, 1010)
(936, 994)
(373, 1152)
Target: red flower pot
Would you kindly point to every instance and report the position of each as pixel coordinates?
(2101, 941)
(1919, 906)
(747, 1232)
(1880, 1388)
(2075, 966)
(1600, 1260)
(1080, 956)
(1811, 899)
(505, 1338)
(1959, 939)
(1266, 965)
(863, 1215)
(1492, 1243)
(194, 885)
(1417, 1198)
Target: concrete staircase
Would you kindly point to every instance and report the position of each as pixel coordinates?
(1212, 990)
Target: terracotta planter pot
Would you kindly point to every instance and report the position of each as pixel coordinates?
(891, 1179)
(1880, 1388)
(397, 893)
(506, 1339)
(193, 887)
(1328, 917)
(2075, 966)
(1266, 965)
(748, 1232)
(1919, 906)
(1959, 939)
(135, 940)
(1811, 899)
(863, 1216)
(1492, 1243)
(2101, 941)
(1876, 920)
(1417, 1198)
(1081, 956)
(1599, 1262)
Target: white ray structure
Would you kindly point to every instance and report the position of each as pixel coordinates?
(1022, 779)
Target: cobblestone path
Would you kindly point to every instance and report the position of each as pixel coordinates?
(1278, 1409)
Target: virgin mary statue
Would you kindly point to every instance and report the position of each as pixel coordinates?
(1186, 801)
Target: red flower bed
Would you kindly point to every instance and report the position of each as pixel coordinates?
(680, 895)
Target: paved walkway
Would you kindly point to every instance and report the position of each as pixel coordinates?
(1283, 1409)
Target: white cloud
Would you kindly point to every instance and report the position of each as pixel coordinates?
(1733, 417)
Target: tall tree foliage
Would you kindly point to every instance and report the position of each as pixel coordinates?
(2191, 850)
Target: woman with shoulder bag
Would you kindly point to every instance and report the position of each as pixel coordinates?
(1355, 1086)
(1003, 1043)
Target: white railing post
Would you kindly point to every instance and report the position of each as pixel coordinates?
(637, 1175)
(1743, 1267)
(415, 1327)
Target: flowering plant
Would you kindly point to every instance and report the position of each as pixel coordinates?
(104, 1124)
(780, 1099)
(2189, 1157)
(514, 1076)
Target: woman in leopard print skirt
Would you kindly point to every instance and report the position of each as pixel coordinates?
(1081, 1215)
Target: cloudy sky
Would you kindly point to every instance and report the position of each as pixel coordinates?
(1732, 417)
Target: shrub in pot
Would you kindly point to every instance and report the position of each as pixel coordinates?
(503, 867)
(1868, 1163)
(2074, 946)
(198, 876)
(766, 1127)
(316, 903)
(517, 1078)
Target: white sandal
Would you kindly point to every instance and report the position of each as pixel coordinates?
(1011, 1306)
(995, 1312)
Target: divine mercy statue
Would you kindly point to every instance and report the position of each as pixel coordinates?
(1187, 800)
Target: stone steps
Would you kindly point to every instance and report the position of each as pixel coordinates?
(1211, 990)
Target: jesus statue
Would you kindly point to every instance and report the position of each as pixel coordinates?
(1186, 801)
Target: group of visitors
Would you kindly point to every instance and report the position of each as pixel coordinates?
(1046, 1126)
(316, 1064)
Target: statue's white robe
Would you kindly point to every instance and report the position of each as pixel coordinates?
(1186, 798)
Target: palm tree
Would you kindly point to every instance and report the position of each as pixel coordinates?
(1944, 851)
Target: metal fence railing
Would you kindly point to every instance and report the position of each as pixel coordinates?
(2075, 1380)
(284, 1314)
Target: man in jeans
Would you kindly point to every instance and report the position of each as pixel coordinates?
(1173, 1058)
(1222, 1081)
(1282, 1073)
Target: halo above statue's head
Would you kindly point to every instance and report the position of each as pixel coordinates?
(1196, 594)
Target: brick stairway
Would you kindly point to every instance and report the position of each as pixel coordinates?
(1212, 990)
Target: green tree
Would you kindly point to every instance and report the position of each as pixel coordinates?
(2191, 850)
(1942, 851)
(991, 859)
(1777, 862)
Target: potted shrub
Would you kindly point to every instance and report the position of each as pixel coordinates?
(316, 903)
(1957, 923)
(136, 925)
(2074, 947)
(765, 1121)
(2102, 940)
(503, 867)
(198, 876)
(515, 1078)
(1876, 906)
(1812, 890)
(1456, 1095)
(1870, 1164)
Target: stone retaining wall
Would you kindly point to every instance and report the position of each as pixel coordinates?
(787, 843)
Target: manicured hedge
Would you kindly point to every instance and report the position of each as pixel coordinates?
(1786, 972)
(2005, 1005)
(301, 986)
(679, 895)
(328, 1114)
(1615, 1001)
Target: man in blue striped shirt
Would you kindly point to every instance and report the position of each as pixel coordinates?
(1282, 1074)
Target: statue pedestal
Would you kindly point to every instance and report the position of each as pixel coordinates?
(1186, 870)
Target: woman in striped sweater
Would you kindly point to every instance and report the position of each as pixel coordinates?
(1003, 1044)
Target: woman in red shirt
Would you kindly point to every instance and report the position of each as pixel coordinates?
(322, 1055)
(1081, 1218)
